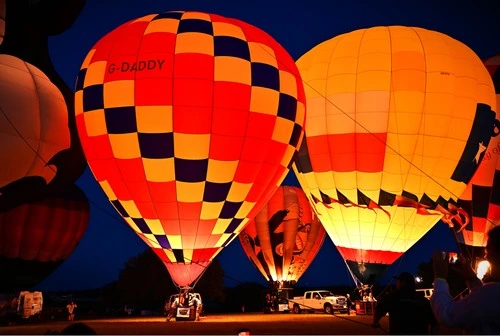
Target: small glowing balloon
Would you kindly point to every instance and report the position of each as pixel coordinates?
(483, 267)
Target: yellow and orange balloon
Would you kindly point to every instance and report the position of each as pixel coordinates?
(284, 237)
(398, 119)
(189, 122)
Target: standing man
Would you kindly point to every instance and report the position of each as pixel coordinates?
(409, 312)
(71, 310)
(173, 308)
(479, 312)
(349, 303)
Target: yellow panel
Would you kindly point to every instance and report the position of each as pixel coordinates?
(188, 243)
(95, 123)
(170, 255)
(343, 66)
(264, 100)
(245, 209)
(151, 240)
(159, 170)
(221, 226)
(95, 73)
(288, 83)
(131, 208)
(221, 171)
(238, 191)
(315, 126)
(154, 119)
(78, 102)
(119, 93)
(107, 190)
(223, 238)
(228, 29)
(162, 26)
(373, 80)
(211, 210)
(189, 192)
(374, 61)
(155, 226)
(87, 59)
(191, 146)
(300, 113)
(175, 241)
(188, 256)
(282, 130)
(194, 43)
(260, 53)
(341, 83)
(232, 69)
(125, 146)
(196, 15)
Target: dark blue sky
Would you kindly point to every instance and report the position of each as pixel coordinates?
(298, 26)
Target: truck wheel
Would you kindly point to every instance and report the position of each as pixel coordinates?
(328, 309)
(296, 309)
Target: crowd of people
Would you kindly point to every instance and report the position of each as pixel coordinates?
(477, 313)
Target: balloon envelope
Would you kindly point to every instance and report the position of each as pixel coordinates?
(189, 122)
(36, 238)
(284, 237)
(33, 122)
(398, 120)
(481, 199)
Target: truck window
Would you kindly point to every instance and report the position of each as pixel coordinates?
(308, 295)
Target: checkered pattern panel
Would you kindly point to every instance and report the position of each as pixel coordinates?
(189, 122)
(398, 109)
(481, 199)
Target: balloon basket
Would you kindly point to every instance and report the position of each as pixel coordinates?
(185, 314)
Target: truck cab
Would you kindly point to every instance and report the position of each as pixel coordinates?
(319, 300)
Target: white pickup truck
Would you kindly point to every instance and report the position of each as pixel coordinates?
(318, 300)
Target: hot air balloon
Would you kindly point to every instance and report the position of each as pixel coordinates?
(36, 238)
(33, 122)
(189, 122)
(481, 198)
(284, 237)
(398, 120)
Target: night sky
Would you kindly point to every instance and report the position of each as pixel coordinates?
(298, 26)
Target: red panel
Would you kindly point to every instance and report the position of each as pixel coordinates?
(158, 42)
(246, 171)
(204, 255)
(260, 125)
(479, 224)
(102, 146)
(369, 256)
(192, 119)
(153, 91)
(234, 96)
(370, 152)
(189, 210)
(276, 152)
(105, 169)
(229, 121)
(171, 226)
(206, 226)
(139, 191)
(147, 209)
(255, 149)
(494, 212)
(189, 228)
(193, 92)
(162, 191)
(256, 191)
(225, 148)
(167, 210)
(131, 169)
(158, 65)
(190, 66)
(119, 188)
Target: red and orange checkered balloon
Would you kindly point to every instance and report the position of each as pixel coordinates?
(189, 122)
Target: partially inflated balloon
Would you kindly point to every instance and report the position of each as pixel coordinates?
(189, 122)
(284, 237)
(398, 121)
(33, 122)
(36, 238)
(481, 199)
